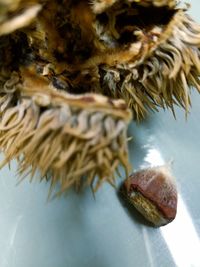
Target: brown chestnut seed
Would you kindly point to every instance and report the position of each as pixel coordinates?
(153, 192)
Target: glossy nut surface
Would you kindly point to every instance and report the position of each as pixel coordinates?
(153, 192)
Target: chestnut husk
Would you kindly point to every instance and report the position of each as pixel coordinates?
(146, 53)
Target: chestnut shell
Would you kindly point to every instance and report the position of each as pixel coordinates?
(151, 191)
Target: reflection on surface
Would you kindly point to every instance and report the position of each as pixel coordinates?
(180, 235)
(182, 238)
(147, 243)
(153, 158)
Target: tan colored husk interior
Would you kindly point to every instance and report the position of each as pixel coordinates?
(100, 6)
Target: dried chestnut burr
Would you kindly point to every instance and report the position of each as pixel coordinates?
(73, 74)
(153, 192)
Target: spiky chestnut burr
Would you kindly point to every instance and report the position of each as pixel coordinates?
(144, 51)
(159, 60)
(79, 140)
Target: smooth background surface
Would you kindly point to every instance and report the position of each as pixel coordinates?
(78, 231)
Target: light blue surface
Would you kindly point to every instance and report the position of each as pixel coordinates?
(78, 231)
